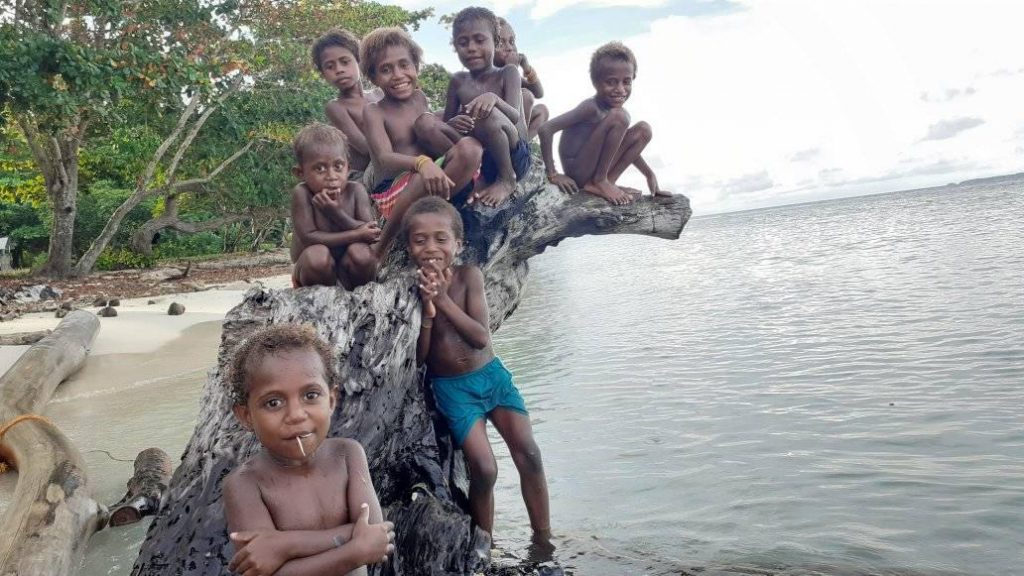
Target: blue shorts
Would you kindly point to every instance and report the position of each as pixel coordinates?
(520, 162)
(464, 399)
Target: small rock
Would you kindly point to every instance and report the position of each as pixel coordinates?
(100, 301)
(61, 312)
(151, 302)
(107, 312)
(114, 302)
(175, 309)
(36, 293)
(66, 306)
(50, 305)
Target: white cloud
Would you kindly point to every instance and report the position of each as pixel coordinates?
(754, 91)
(539, 9)
(944, 129)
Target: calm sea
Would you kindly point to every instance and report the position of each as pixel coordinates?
(827, 388)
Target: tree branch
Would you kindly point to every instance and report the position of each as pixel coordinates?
(162, 149)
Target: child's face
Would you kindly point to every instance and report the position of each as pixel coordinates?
(614, 82)
(432, 240)
(323, 168)
(506, 49)
(289, 402)
(339, 67)
(396, 74)
(474, 44)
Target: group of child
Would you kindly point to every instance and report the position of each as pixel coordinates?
(305, 504)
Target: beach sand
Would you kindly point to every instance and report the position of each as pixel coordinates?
(140, 385)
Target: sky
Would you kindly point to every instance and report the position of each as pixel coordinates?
(758, 103)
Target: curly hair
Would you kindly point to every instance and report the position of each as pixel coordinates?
(316, 135)
(471, 13)
(377, 42)
(611, 51)
(274, 340)
(335, 37)
(431, 205)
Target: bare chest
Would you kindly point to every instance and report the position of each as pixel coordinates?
(306, 503)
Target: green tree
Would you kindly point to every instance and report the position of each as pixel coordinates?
(74, 74)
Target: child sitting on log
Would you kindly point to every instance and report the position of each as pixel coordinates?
(598, 144)
(391, 60)
(507, 52)
(470, 383)
(333, 221)
(336, 57)
(304, 504)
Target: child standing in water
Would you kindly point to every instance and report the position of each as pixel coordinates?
(304, 504)
(598, 144)
(470, 383)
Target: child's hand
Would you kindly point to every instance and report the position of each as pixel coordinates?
(428, 290)
(441, 279)
(482, 105)
(435, 180)
(369, 232)
(523, 63)
(258, 553)
(462, 123)
(374, 541)
(564, 183)
(327, 200)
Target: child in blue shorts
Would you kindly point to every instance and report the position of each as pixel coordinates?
(470, 383)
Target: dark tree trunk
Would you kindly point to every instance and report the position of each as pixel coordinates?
(145, 488)
(373, 331)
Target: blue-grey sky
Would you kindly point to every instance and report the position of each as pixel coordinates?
(763, 102)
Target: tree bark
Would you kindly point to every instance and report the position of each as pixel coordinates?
(23, 338)
(44, 531)
(419, 478)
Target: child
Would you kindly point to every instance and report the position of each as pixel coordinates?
(487, 102)
(305, 503)
(470, 383)
(391, 60)
(336, 57)
(506, 53)
(334, 225)
(598, 143)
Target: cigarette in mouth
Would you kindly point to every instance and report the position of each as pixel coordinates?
(301, 447)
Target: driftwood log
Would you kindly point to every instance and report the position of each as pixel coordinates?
(44, 530)
(23, 338)
(373, 331)
(145, 488)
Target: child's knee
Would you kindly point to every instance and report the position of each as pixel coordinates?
(527, 98)
(424, 124)
(643, 131)
(359, 256)
(528, 459)
(318, 258)
(483, 472)
(467, 149)
(617, 117)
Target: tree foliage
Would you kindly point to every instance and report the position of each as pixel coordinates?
(184, 109)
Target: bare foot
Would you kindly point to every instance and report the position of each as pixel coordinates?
(608, 191)
(495, 194)
(636, 194)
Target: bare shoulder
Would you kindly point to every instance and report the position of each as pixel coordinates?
(243, 478)
(301, 192)
(355, 189)
(459, 78)
(510, 72)
(468, 274)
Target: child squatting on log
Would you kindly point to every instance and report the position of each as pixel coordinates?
(304, 504)
(485, 102)
(391, 60)
(598, 144)
(334, 224)
(470, 383)
(336, 57)
(507, 52)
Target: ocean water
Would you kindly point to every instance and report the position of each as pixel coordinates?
(826, 388)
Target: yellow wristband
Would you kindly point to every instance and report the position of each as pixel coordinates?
(420, 161)
(531, 78)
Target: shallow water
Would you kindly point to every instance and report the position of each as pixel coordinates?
(829, 388)
(824, 388)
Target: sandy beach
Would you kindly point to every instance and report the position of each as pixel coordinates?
(140, 383)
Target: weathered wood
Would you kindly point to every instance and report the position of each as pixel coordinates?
(23, 338)
(145, 488)
(44, 531)
(373, 332)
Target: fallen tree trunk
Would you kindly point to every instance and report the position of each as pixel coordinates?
(23, 338)
(44, 530)
(373, 331)
(145, 488)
